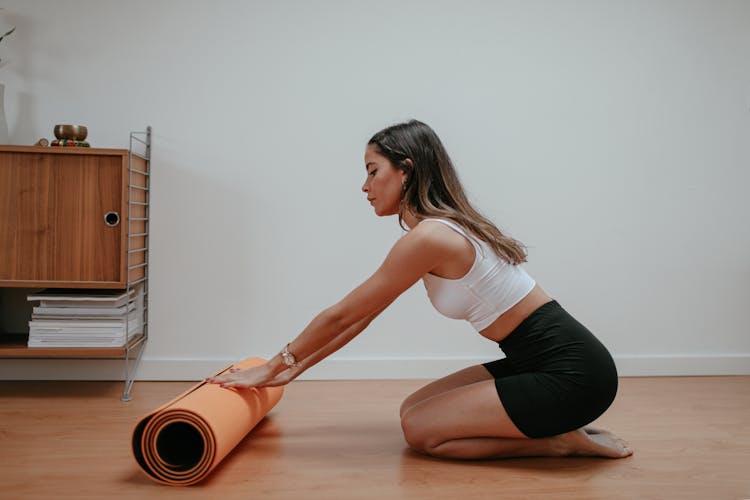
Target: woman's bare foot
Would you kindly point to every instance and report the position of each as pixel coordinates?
(592, 442)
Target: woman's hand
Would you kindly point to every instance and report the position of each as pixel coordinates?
(257, 376)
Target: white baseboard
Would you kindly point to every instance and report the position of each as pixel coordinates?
(353, 369)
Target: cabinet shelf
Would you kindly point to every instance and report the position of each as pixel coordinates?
(14, 345)
(76, 218)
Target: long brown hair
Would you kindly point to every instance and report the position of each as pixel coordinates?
(432, 187)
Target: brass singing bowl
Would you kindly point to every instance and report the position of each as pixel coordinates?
(71, 132)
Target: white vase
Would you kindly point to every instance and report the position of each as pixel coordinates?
(4, 139)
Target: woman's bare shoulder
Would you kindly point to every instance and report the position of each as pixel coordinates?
(435, 233)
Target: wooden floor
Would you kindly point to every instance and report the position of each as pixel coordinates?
(342, 440)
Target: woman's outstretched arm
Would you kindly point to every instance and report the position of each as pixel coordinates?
(414, 255)
(344, 338)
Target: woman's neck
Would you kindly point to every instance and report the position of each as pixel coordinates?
(410, 219)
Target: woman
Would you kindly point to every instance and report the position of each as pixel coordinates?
(556, 376)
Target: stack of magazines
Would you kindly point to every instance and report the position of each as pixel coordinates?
(91, 318)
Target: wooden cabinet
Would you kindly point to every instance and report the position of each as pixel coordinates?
(74, 218)
(64, 217)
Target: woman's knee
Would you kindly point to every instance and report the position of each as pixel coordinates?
(416, 432)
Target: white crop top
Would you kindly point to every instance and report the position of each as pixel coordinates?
(491, 287)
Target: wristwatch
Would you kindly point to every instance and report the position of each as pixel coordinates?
(288, 357)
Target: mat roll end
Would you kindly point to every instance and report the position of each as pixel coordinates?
(181, 442)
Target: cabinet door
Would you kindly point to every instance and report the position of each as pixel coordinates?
(52, 219)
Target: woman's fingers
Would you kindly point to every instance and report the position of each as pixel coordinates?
(251, 377)
(221, 378)
(238, 383)
(233, 385)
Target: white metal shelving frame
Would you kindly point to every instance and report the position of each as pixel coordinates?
(140, 147)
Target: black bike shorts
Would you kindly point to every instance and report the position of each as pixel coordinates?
(556, 376)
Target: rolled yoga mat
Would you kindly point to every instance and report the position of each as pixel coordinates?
(181, 442)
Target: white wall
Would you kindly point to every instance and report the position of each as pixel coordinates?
(611, 137)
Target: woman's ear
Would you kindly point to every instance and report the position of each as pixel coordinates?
(409, 167)
(406, 172)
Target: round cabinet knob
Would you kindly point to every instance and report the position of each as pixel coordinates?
(111, 219)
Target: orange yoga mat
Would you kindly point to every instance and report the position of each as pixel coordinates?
(181, 442)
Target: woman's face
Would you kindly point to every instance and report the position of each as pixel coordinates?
(385, 183)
